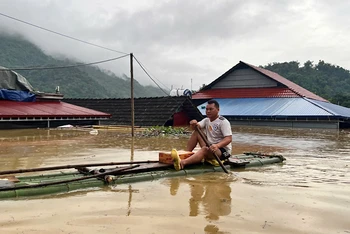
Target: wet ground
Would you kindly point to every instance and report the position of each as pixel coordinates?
(309, 193)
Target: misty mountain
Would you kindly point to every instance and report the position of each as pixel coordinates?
(74, 82)
(326, 80)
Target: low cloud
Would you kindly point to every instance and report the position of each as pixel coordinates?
(186, 43)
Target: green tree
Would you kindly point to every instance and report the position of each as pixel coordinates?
(324, 79)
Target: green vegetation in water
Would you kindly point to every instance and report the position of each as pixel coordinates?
(162, 131)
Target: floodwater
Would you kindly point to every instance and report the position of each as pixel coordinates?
(309, 193)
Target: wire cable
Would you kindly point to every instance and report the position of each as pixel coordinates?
(61, 34)
(150, 76)
(78, 65)
(156, 78)
(62, 67)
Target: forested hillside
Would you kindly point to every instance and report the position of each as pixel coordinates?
(324, 79)
(76, 82)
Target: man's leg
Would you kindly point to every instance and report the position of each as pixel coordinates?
(193, 141)
(203, 153)
(195, 158)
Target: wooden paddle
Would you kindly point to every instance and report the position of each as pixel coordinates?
(71, 166)
(116, 171)
(208, 145)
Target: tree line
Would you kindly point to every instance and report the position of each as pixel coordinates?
(329, 81)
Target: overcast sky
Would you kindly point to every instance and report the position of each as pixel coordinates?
(186, 43)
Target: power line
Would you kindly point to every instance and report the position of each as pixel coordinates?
(150, 76)
(61, 34)
(62, 67)
(79, 40)
(154, 78)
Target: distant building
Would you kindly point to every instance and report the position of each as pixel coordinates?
(157, 111)
(22, 107)
(250, 95)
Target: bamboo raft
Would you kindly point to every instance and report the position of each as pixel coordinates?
(12, 185)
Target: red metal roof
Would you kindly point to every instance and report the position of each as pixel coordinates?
(298, 90)
(245, 93)
(45, 109)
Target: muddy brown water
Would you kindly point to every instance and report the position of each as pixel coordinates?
(309, 193)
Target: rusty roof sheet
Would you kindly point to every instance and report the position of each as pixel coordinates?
(45, 109)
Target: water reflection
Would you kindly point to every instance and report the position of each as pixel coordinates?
(210, 196)
(84, 193)
(211, 229)
(130, 191)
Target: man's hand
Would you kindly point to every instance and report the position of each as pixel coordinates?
(193, 124)
(213, 148)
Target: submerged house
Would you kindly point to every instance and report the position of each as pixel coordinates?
(250, 95)
(158, 111)
(22, 107)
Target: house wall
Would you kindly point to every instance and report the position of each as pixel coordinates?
(245, 78)
(181, 119)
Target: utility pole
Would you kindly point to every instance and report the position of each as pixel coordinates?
(132, 95)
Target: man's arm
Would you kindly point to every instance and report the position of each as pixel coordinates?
(194, 123)
(227, 140)
(224, 142)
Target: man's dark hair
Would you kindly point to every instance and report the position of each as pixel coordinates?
(212, 101)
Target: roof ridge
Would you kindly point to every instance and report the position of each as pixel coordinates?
(302, 92)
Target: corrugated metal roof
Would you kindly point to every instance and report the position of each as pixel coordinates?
(245, 93)
(271, 107)
(335, 109)
(272, 75)
(12, 109)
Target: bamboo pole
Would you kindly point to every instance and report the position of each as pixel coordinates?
(71, 166)
(69, 181)
(208, 145)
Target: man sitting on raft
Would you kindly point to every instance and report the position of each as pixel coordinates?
(219, 135)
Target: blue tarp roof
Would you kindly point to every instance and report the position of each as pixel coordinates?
(278, 107)
(17, 95)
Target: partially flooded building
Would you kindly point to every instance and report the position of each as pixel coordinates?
(250, 95)
(157, 111)
(22, 107)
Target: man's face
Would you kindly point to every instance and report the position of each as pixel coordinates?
(211, 111)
